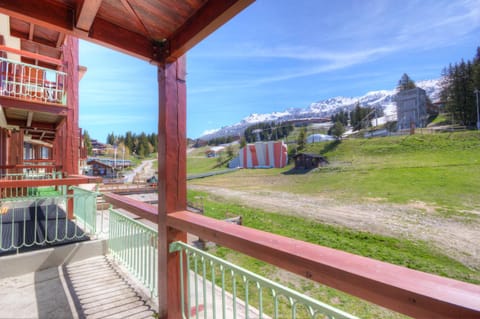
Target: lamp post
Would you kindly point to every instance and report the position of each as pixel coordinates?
(478, 113)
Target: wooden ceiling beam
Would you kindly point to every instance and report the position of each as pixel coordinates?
(61, 39)
(123, 40)
(41, 48)
(86, 13)
(42, 13)
(208, 18)
(29, 119)
(3, 119)
(34, 125)
(31, 31)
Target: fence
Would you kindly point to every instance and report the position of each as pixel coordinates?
(134, 245)
(30, 82)
(85, 208)
(39, 221)
(227, 290)
(13, 192)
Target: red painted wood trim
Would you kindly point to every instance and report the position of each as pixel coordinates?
(136, 207)
(31, 55)
(407, 291)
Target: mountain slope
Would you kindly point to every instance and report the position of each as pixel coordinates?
(325, 108)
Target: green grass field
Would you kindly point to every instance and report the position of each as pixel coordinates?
(198, 163)
(442, 170)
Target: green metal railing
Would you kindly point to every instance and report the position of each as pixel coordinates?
(38, 221)
(31, 82)
(85, 208)
(211, 277)
(134, 245)
(214, 286)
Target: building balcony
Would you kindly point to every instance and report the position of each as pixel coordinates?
(28, 82)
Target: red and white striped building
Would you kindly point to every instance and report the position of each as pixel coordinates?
(264, 155)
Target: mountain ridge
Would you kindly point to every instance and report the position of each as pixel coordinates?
(326, 108)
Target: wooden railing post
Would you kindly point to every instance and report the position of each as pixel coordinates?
(172, 186)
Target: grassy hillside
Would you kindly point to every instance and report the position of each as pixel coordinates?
(197, 162)
(442, 170)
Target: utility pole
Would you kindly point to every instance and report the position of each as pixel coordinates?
(476, 91)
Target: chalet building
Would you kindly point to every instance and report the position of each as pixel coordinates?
(309, 161)
(98, 148)
(411, 108)
(102, 169)
(39, 78)
(38, 99)
(106, 167)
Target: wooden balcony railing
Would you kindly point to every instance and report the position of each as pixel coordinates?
(32, 83)
(410, 292)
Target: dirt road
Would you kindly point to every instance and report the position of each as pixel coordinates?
(457, 237)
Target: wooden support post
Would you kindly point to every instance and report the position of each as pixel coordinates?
(172, 181)
(71, 141)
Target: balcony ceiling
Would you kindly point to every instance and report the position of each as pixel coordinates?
(39, 125)
(158, 31)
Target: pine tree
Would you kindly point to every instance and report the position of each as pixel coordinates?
(111, 138)
(405, 83)
(87, 142)
(301, 140)
(458, 91)
(337, 130)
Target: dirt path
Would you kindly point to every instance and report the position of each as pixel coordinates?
(456, 237)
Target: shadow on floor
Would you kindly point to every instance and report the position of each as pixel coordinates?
(99, 291)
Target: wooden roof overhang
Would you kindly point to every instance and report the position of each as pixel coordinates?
(158, 31)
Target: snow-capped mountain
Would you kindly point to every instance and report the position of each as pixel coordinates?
(323, 109)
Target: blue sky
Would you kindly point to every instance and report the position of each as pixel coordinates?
(278, 54)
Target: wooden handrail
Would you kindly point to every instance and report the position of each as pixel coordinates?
(67, 181)
(136, 207)
(39, 161)
(410, 292)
